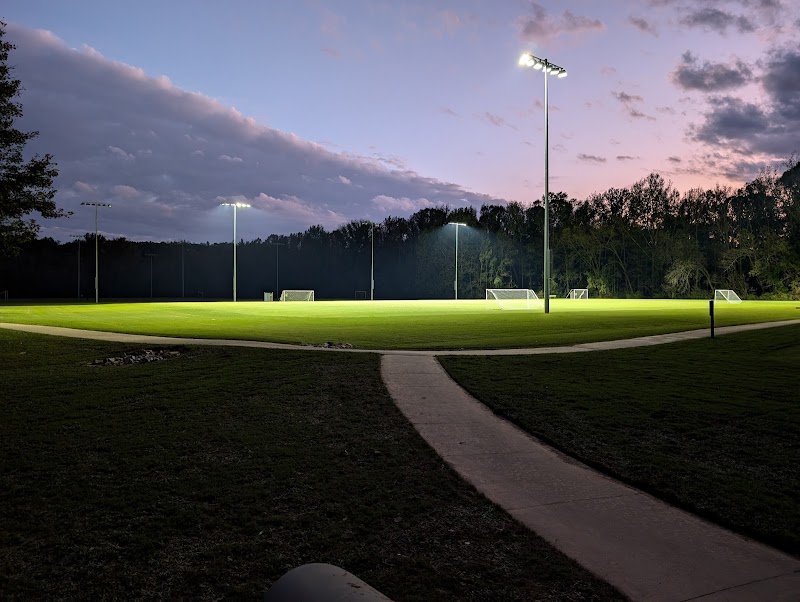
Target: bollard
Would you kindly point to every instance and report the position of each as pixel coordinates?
(711, 313)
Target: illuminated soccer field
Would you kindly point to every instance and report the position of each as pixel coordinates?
(402, 324)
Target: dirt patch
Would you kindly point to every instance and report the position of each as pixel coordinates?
(143, 356)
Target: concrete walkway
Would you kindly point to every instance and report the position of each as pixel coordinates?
(144, 339)
(646, 548)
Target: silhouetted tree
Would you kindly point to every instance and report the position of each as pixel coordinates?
(25, 186)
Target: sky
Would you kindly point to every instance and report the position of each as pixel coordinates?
(318, 113)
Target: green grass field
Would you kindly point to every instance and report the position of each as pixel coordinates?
(466, 324)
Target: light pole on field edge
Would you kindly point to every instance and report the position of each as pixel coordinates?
(548, 68)
(235, 206)
(96, 256)
(372, 262)
(455, 282)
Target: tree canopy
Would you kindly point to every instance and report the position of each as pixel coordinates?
(25, 186)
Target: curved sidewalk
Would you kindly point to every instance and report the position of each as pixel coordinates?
(146, 339)
(646, 548)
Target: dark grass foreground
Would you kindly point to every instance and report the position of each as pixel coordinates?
(713, 426)
(210, 475)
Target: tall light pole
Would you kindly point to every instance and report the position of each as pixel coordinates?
(548, 68)
(96, 256)
(455, 282)
(151, 255)
(235, 206)
(372, 263)
(79, 238)
(277, 246)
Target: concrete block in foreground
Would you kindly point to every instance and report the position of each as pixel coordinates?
(320, 582)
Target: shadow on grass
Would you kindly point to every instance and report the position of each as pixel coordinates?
(211, 474)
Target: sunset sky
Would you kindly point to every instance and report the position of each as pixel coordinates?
(322, 112)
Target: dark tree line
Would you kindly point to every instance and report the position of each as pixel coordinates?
(646, 240)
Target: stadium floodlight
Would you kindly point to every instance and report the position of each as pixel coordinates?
(548, 68)
(79, 239)
(235, 206)
(96, 256)
(455, 284)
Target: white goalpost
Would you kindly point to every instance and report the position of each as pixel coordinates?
(578, 293)
(724, 294)
(513, 298)
(297, 295)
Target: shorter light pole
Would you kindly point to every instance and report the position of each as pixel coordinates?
(96, 256)
(372, 264)
(151, 255)
(455, 284)
(79, 239)
(235, 206)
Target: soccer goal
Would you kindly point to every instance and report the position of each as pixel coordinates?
(360, 295)
(726, 295)
(578, 293)
(297, 295)
(513, 298)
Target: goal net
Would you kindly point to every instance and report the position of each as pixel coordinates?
(297, 295)
(513, 298)
(361, 294)
(578, 293)
(726, 295)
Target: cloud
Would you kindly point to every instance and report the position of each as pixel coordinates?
(125, 192)
(713, 19)
(710, 77)
(118, 152)
(626, 98)
(388, 204)
(732, 119)
(496, 120)
(111, 126)
(449, 111)
(768, 128)
(643, 25)
(83, 187)
(345, 181)
(674, 159)
(628, 101)
(781, 81)
(591, 158)
(625, 158)
(540, 27)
